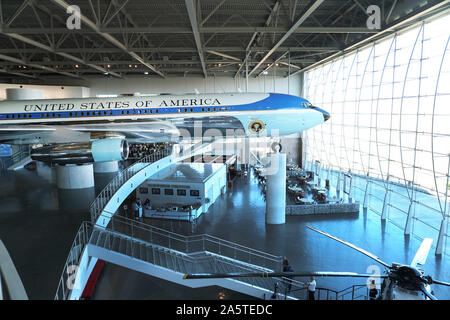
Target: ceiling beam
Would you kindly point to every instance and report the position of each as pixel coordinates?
(157, 62)
(185, 30)
(173, 49)
(22, 7)
(192, 12)
(310, 8)
(37, 66)
(220, 54)
(2, 70)
(62, 54)
(252, 39)
(212, 12)
(110, 38)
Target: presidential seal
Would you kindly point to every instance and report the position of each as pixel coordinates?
(256, 126)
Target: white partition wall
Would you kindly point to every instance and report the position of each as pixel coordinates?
(191, 84)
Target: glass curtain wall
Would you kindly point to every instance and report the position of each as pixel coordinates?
(390, 127)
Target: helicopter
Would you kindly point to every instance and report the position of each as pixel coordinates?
(401, 281)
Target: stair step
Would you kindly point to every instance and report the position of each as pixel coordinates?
(101, 239)
(149, 254)
(115, 244)
(128, 250)
(135, 250)
(94, 237)
(142, 252)
(107, 243)
(177, 262)
(123, 245)
(158, 257)
(170, 261)
(164, 258)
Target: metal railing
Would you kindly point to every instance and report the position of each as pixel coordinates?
(1, 287)
(11, 285)
(66, 282)
(122, 177)
(20, 154)
(191, 244)
(246, 259)
(355, 292)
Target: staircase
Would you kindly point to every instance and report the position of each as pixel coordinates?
(172, 265)
(20, 158)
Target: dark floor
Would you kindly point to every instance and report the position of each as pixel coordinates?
(38, 223)
(240, 217)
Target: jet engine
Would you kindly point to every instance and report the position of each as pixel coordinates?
(108, 149)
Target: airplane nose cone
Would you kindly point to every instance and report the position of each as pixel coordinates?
(324, 113)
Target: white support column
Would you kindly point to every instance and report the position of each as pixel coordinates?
(347, 190)
(276, 189)
(46, 171)
(441, 238)
(409, 218)
(338, 185)
(75, 176)
(386, 201)
(106, 167)
(366, 193)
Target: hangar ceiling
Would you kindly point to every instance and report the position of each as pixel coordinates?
(184, 37)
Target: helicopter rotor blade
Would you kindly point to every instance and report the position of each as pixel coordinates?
(442, 283)
(422, 253)
(367, 253)
(278, 274)
(425, 292)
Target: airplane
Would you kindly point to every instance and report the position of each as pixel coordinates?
(74, 131)
(401, 282)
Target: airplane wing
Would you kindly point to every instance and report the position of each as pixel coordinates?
(146, 131)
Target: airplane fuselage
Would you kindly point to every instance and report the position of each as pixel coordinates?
(255, 114)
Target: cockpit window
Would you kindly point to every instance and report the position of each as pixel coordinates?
(307, 104)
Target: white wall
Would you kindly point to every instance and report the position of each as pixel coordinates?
(50, 92)
(94, 86)
(178, 85)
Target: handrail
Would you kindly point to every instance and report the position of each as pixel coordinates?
(187, 244)
(8, 272)
(121, 178)
(187, 238)
(73, 259)
(1, 287)
(108, 191)
(84, 233)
